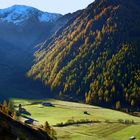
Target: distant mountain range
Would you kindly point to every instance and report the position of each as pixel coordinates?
(21, 23)
(19, 14)
(95, 57)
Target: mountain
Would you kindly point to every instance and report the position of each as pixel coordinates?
(15, 61)
(21, 29)
(19, 23)
(95, 57)
(19, 14)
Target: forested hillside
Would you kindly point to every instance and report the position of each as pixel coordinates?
(95, 56)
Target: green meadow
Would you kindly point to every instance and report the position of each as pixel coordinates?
(109, 127)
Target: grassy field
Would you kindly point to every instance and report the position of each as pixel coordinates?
(108, 129)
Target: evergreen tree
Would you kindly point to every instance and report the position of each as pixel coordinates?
(118, 105)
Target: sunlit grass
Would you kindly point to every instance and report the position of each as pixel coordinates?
(64, 111)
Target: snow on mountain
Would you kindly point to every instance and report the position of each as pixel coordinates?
(46, 17)
(18, 14)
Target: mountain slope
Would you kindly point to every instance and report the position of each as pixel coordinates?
(21, 29)
(13, 66)
(95, 57)
(11, 129)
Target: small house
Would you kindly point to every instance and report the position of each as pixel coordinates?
(132, 138)
(29, 121)
(48, 104)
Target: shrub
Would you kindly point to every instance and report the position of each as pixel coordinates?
(107, 121)
(126, 121)
(50, 130)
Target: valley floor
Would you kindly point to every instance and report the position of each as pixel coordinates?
(55, 112)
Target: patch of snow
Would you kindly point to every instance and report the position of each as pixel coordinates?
(18, 14)
(46, 17)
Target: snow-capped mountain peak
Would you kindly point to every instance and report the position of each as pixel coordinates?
(18, 14)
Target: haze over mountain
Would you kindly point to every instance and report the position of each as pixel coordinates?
(21, 29)
(95, 56)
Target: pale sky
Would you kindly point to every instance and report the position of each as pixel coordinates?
(54, 6)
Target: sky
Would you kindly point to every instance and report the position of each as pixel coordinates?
(53, 6)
